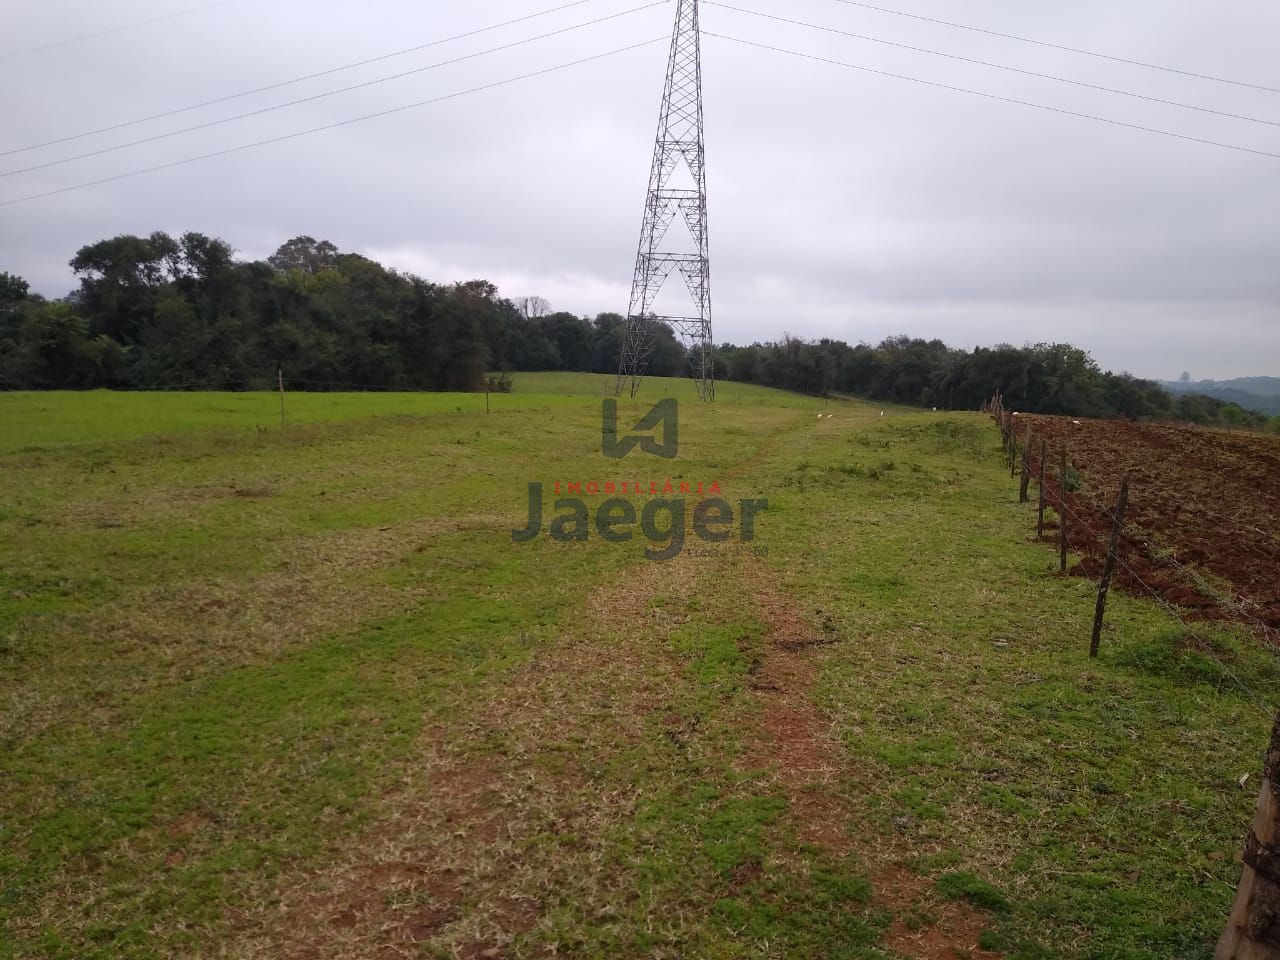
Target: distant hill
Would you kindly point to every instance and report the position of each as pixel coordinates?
(1253, 393)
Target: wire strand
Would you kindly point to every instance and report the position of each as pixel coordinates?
(8, 54)
(1205, 647)
(325, 95)
(1235, 603)
(292, 81)
(331, 126)
(997, 97)
(1065, 504)
(1059, 46)
(997, 66)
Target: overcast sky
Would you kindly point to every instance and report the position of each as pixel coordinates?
(842, 203)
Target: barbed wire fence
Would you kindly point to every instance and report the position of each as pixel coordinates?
(1041, 466)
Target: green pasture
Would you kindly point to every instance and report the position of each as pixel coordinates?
(274, 691)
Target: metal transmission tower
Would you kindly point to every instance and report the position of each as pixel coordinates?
(679, 139)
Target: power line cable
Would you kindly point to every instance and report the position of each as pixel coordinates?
(997, 66)
(993, 96)
(322, 96)
(1059, 46)
(332, 126)
(104, 33)
(292, 81)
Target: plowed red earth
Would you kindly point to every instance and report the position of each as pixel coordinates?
(1204, 510)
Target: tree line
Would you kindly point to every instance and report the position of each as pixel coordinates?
(1053, 378)
(163, 312)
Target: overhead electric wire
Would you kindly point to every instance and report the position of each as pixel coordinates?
(665, 38)
(322, 96)
(988, 63)
(998, 97)
(5, 55)
(294, 80)
(1059, 46)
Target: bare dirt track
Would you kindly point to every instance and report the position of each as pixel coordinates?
(1201, 528)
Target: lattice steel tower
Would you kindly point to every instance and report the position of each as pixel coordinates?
(679, 139)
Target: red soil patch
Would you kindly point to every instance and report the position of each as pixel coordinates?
(1200, 502)
(395, 896)
(798, 744)
(952, 931)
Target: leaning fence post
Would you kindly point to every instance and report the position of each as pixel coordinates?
(1062, 514)
(1044, 453)
(1109, 569)
(1253, 932)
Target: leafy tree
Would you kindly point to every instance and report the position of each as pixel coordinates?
(607, 332)
(572, 337)
(1233, 415)
(304, 253)
(119, 279)
(13, 297)
(53, 350)
(13, 290)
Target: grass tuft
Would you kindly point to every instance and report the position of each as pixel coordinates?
(967, 886)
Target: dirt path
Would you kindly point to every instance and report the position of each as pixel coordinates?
(799, 745)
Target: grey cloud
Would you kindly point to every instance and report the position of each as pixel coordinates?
(842, 203)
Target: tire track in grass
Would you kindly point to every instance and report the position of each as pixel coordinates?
(798, 744)
(473, 826)
(497, 840)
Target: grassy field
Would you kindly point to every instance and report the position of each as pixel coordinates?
(295, 692)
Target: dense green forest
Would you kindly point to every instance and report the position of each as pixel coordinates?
(161, 312)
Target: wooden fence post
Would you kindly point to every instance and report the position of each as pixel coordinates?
(1012, 446)
(1108, 569)
(1044, 453)
(1026, 470)
(1062, 514)
(1253, 932)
